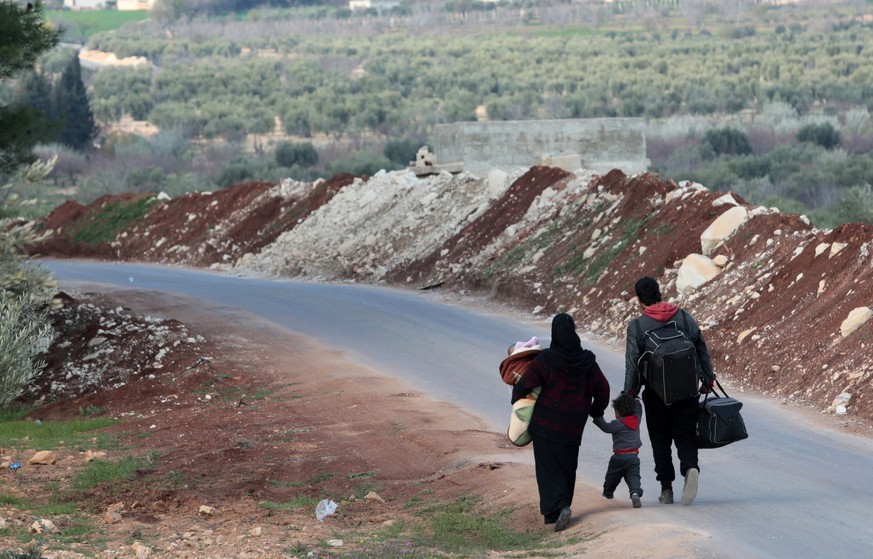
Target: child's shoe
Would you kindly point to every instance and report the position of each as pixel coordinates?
(635, 499)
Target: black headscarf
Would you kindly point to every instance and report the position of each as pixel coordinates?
(565, 351)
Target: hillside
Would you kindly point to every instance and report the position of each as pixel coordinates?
(784, 306)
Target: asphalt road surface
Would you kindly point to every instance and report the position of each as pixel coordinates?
(794, 489)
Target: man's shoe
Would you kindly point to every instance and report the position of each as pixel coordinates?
(608, 495)
(563, 519)
(635, 499)
(689, 492)
(666, 497)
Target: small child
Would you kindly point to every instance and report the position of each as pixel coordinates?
(519, 357)
(625, 461)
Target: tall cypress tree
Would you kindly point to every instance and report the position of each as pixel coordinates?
(70, 107)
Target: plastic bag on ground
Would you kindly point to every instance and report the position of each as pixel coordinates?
(324, 508)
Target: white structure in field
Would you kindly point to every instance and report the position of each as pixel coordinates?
(85, 4)
(134, 5)
(379, 5)
(599, 144)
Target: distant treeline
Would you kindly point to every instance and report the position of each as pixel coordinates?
(763, 72)
(401, 84)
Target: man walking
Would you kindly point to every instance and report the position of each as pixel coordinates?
(669, 418)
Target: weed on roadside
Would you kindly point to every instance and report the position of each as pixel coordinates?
(49, 435)
(458, 528)
(300, 502)
(108, 472)
(445, 530)
(102, 225)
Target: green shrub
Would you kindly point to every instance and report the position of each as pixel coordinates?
(725, 141)
(824, 135)
(25, 331)
(303, 154)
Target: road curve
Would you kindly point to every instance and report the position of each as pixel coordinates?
(792, 490)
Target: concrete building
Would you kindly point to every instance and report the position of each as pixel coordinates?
(379, 5)
(84, 4)
(134, 5)
(599, 144)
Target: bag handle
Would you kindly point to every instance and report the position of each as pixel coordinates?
(714, 392)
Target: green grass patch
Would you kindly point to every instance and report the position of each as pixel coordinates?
(49, 435)
(54, 509)
(362, 475)
(10, 500)
(79, 530)
(525, 249)
(91, 410)
(280, 483)
(320, 478)
(103, 225)
(300, 502)
(100, 472)
(384, 550)
(175, 478)
(82, 24)
(592, 268)
(458, 528)
(13, 414)
(361, 491)
(314, 480)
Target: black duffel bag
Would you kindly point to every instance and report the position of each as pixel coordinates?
(719, 422)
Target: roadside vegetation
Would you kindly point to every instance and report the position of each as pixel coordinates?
(456, 528)
(64, 501)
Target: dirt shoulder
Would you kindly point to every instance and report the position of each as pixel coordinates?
(259, 424)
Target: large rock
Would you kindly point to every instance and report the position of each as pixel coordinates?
(43, 457)
(722, 228)
(43, 526)
(857, 318)
(695, 271)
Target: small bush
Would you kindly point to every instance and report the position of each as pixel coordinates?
(302, 154)
(725, 141)
(25, 331)
(824, 135)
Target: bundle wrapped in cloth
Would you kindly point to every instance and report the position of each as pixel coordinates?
(511, 369)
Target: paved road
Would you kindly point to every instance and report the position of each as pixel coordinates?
(792, 490)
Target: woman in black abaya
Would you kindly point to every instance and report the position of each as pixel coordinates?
(573, 388)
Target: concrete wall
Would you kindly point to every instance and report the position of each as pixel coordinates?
(599, 144)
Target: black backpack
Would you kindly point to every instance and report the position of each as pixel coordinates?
(669, 363)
